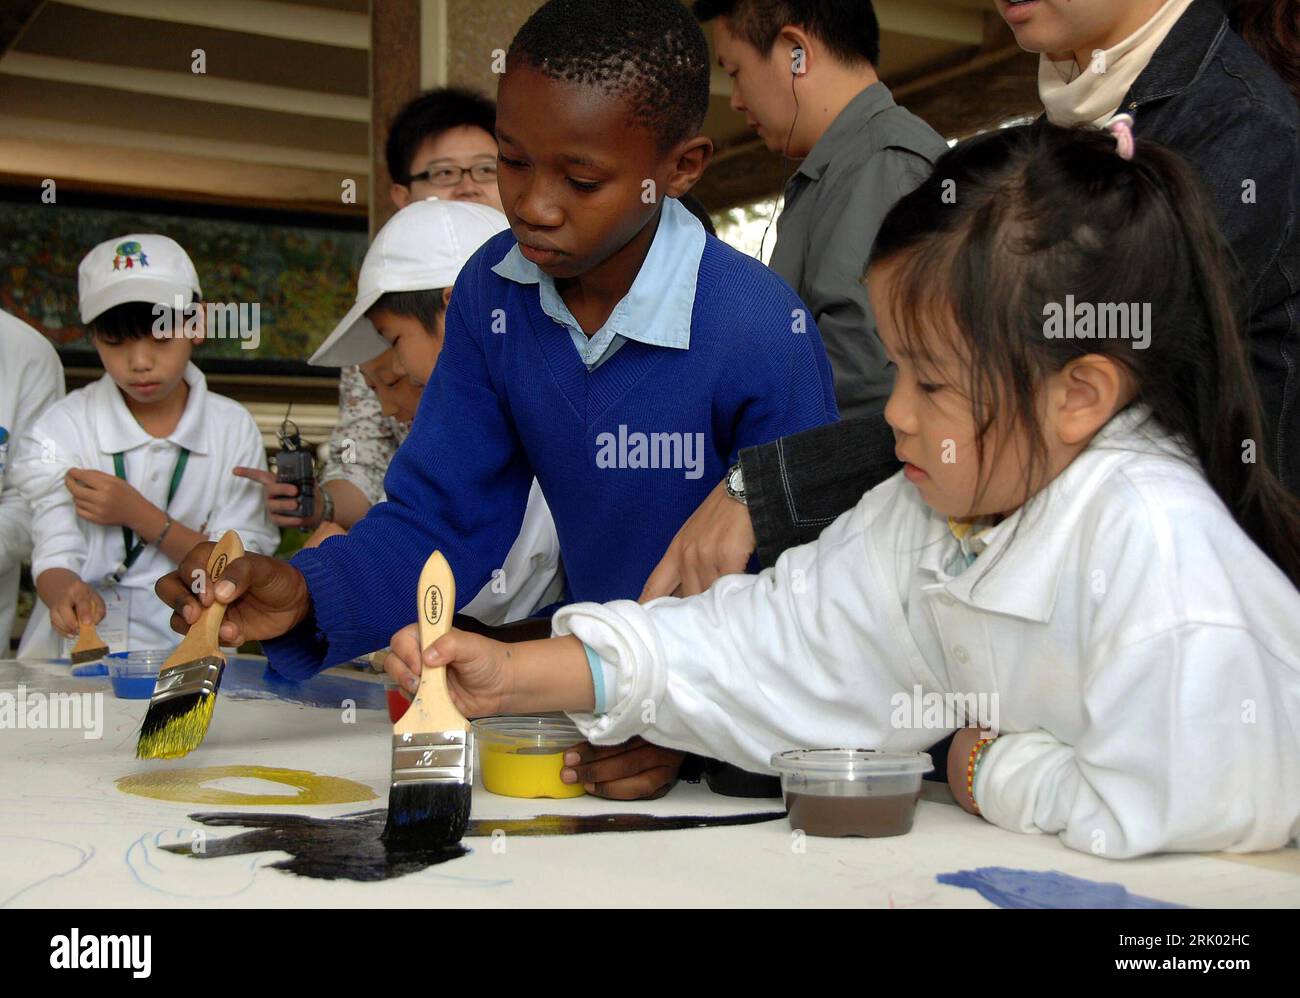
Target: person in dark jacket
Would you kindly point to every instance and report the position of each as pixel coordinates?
(1190, 83)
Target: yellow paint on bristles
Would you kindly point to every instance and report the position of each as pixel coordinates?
(181, 735)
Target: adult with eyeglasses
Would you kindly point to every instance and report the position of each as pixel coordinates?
(442, 144)
(444, 175)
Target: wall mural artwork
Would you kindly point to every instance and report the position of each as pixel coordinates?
(301, 277)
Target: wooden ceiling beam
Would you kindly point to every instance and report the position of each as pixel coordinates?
(930, 19)
(174, 174)
(188, 86)
(255, 17)
(15, 15)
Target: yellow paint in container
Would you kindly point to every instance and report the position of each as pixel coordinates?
(521, 756)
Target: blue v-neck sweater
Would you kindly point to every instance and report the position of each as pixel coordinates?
(510, 399)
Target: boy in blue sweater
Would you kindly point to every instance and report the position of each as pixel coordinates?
(605, 345)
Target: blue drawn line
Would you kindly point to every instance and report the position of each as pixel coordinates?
(86, 857)
(252, 868)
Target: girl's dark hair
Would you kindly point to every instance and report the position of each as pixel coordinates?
(132, 320)
(1012, 221)
(423, 306)
(1271, 28)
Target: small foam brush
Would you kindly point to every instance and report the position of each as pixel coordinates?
(180, 709)
(433, 746)
(89, 647)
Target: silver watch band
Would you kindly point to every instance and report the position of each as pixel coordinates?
(735, 484)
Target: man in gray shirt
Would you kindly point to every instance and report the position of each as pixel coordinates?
(803, 74)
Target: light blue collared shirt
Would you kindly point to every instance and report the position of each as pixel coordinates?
(657, 308)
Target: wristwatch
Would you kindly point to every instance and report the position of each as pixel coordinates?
(327, 506)
(735, 482)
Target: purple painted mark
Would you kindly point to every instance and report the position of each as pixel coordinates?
(1009, 888)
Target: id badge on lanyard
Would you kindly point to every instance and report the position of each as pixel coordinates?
(132, 545)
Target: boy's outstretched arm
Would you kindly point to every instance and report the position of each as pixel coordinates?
(459, 484)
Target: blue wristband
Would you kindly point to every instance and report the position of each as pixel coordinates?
(597, 677)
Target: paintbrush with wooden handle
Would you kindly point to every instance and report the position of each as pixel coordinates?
(89, 646)
(180, 709)
(433, 746)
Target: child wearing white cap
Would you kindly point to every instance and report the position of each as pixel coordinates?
(403, 289)
(128, 473)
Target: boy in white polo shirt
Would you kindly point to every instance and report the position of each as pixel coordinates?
(128, 473)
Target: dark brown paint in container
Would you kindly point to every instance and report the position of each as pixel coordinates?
(851, 792)
(869, 817)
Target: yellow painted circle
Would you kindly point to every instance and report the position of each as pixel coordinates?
(187, 786)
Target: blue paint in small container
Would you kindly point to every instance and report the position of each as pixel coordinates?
(134, 673)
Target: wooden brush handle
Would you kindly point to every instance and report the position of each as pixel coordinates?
(201, 639)
(88, 637)
(432, 709)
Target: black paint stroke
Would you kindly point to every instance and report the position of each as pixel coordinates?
(351, 848)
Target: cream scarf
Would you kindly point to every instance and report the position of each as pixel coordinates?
(1072, 97)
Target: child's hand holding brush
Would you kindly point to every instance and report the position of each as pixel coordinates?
(267, 597)
(71, 601)
(492, 677)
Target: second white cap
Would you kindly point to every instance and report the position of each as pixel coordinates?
(421, 248)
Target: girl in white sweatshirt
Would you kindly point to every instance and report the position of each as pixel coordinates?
(1083, 534)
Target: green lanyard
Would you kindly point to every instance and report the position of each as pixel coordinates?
(134, 547)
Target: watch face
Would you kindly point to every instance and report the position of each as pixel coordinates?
(736, 481)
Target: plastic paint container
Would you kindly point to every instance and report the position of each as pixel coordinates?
(134, 675)
(840, 792)
(522, 756)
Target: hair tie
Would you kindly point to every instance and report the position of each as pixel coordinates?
(1121, 129)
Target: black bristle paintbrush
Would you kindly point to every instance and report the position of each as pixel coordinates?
(180, 709)
(89, 646)
(433, 746)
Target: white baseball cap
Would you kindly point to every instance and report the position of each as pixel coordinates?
(142, 267)
(421, 248)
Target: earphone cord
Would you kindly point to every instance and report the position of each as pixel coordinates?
(785, 161)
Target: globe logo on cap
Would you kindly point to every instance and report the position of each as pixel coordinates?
(128, 255)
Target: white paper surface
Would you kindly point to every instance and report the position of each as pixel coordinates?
(68, 836)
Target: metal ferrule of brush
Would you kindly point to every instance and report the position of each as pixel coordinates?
(433, 755)
(198, 677)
